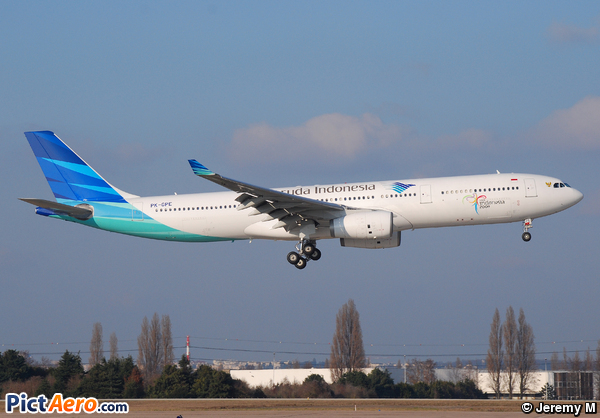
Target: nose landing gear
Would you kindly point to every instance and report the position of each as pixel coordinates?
(307, 250)
(527, 223)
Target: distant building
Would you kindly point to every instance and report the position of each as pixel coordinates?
(568, 385)
(574, 385)
(269, 377)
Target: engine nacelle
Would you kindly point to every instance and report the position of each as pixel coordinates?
(393, 241)
(375, 224)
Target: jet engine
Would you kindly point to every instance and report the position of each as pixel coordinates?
(375, 224)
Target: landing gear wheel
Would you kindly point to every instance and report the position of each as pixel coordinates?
(301, 263)
(293, 257)
(308, 249)
(526, 236)
(315, 255)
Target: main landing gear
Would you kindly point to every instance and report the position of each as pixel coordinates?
(307, 250)
(527, 223)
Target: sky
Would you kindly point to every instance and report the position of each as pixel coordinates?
(286, 93)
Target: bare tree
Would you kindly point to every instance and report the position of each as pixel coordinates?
(96, 345)
(347, 350)
(150, 355)
(495, 356)
(588, 361)
(421, 371)
(114, 346)
(457, 371)
(510, 343)
(597, 370)
(575, 362)
(525, 354)
(554, 361)
(167, 340)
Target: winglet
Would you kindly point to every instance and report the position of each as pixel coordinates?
(199, 169)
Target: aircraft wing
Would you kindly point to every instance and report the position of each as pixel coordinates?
(288, 209)
(60, 209)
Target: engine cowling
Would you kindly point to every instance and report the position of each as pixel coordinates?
(393, 241)
(375, 224)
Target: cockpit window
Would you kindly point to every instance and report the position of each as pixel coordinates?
(557, 185)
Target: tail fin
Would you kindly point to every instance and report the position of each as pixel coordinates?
(69, 177)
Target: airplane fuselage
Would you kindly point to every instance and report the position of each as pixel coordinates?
(419, 203)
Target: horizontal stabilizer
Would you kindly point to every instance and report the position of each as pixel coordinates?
(78, 212)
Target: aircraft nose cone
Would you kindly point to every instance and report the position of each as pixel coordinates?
(577, 196)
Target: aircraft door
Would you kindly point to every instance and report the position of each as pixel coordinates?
(530, 189)
(426, 193)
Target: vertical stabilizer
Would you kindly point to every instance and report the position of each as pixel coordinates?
(69, 177)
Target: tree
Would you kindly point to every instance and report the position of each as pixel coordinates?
(356, 378)
(421, 371)
(554, 361)
(526, 354)
(106, 379)
(381, 383)
(347, 350)
(114, 346)
(13, 366)
(547, 392)
(174, 382)
(69, 368)
(509, 331)
(150, 355)
(96, 345)
(588, 361)
(457, 371)
(495, 355)
(167, 340)
(210, 383)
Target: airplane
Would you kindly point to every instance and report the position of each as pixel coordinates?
(362, 215)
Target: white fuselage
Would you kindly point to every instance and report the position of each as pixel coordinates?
(425, 203)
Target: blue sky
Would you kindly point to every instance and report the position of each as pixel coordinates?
(287, 93)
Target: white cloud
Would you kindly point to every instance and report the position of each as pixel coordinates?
(571, 34)
(575, 127)
(332, 135)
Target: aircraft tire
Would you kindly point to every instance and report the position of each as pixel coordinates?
(301, 263)
(526, 236)
(293, 257)
(308, 249)
(315, 255)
